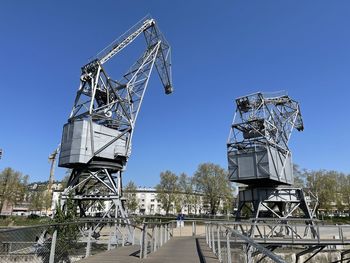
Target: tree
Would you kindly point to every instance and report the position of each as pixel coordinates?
(13, 187)
(299, 177)
(130, 194)
(186, 185)
(324, 185)
(36, 201)
(213, 182)
(47, 200)
(167, 190)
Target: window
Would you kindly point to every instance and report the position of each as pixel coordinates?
(152, 200)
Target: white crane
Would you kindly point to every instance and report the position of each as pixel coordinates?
(96, 141)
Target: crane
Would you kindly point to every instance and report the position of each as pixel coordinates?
(52, 160)
(96, 140)
(259, 157)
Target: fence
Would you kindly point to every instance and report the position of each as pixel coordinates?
(74, 241)
(222, 236)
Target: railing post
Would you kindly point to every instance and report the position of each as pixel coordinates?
(219, 244)
(133, 236)
(213, 238)
(206, 233)
(88, 243)
(153, 239)
(228, 247)
(340, 234)
(161, 235)
(318, 234)
(53, 247)
(193, 234)
(155, 232)
(110, 240)
(143, 249)
(209, 235)
(167, 232)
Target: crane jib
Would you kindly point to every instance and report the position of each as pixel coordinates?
(119, 46)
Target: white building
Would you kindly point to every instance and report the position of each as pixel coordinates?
(149, 203)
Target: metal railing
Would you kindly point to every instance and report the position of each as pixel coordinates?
(70, 242)
(221, 237)
(153, 236)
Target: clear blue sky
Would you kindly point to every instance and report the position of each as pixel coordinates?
(221, 50)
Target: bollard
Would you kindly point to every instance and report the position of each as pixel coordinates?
(219, 244)
(228, 247)
(88, 244)
(53, 247)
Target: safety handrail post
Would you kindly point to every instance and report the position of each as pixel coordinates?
(228, 247)
(218, 242)
(53, 247)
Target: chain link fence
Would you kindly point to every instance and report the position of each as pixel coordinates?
(70, 242)
(64, 242)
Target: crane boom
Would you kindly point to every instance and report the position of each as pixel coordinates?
(126, 41)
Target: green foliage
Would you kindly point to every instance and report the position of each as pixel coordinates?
(67, 231)
(167, 189)
(13, 187)
(331, 187)
(130, 195)
(212, 181)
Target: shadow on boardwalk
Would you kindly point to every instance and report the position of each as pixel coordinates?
(178, 249)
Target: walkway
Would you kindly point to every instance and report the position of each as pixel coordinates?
(177, 249)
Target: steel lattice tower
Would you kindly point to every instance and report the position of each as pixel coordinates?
(259, 157)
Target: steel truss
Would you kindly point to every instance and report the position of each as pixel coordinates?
(262, 119)
(259, 157)
(112, 105)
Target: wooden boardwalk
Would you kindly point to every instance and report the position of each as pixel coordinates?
(177, 249)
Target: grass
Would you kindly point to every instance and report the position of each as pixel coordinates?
(9, 221)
